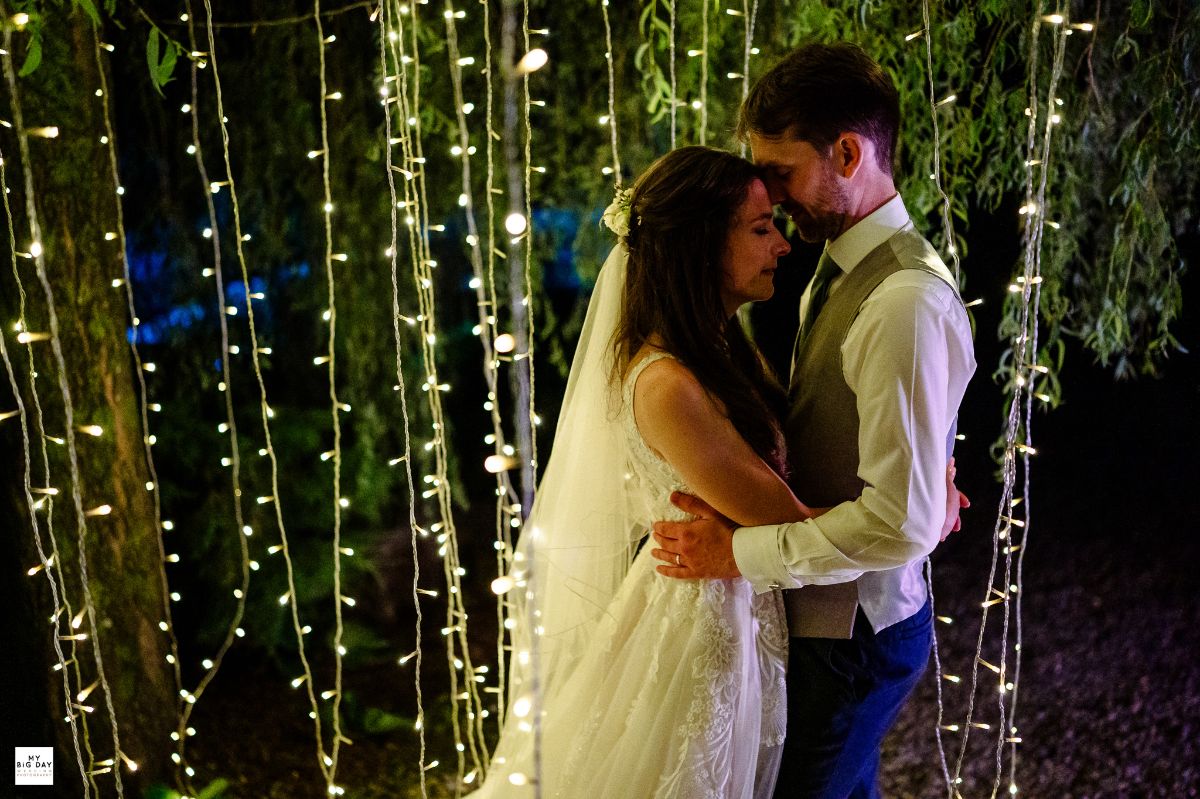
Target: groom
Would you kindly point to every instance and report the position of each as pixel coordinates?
(879, 368)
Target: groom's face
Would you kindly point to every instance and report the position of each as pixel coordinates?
(803, 181)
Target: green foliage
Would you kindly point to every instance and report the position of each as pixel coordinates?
(214, 790)
(161, 64)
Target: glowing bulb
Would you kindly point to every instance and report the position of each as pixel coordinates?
(515, 223)
(532, 61)
(505, 343)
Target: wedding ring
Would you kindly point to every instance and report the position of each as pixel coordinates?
(677, 563)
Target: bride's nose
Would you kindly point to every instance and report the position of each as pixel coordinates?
(782, 247)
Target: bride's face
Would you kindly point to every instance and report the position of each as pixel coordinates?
(752, 251)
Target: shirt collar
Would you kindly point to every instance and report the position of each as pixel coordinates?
(848, 249)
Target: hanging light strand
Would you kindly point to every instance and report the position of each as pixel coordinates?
(54, 569)
(423, 273)
(213, 664)
(609, 57)
(506, 495)
(50, 563)
(704, 71)
(749, 17)
(528, 431)
(140, 371)
(1017, 434)
(265, 412)
(335, 412)
(475, 715)
(389, 22)
(530, 456)
(39, 260)
(671, 25)
(934, 105)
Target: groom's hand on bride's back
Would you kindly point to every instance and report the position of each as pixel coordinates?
(956, 502)
(697, 549)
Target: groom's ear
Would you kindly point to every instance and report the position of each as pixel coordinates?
(849, 153)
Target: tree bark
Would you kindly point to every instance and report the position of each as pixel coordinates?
(73, 199)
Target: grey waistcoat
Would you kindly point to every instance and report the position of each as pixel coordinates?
(822, 425)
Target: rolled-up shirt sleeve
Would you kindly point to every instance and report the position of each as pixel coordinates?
(907, 358)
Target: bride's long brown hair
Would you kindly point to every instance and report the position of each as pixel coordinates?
(681, 213)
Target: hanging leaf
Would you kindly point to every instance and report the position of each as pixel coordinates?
(89, 8)
(152, 57)
(33, 56)
(167, 66)
(160, 61)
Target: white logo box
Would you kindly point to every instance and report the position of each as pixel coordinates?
(35, 765)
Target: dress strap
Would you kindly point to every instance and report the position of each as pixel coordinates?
(636, 372)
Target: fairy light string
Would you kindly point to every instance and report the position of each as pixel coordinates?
(934, 105)
(526, 430)
(336, 408)
(457, 653)
(952, 249)
(1025, 372)
(140, 368)
(749, 17)
(454, 630)
(39, 259)
(671, 23)
(213, 664)
(703, 71)
(612, 89)
(387, 32)
(528, 426)
(1031, 296)
(505, 494)
(48, 564)
(265, 411)
(56, 563)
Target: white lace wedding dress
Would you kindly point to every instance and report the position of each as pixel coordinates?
(679, 693)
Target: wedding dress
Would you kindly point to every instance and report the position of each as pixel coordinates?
(653, 688)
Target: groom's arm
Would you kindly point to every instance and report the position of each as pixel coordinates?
(907, 358)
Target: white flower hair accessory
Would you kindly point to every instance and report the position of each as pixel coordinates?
(616, 215)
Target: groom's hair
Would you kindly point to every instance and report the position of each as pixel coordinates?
(820, 91)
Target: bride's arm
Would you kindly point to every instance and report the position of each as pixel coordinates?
(684, 425)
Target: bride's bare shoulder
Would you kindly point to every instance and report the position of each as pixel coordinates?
(666, 387)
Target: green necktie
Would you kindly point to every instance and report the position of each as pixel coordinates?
(818, 292)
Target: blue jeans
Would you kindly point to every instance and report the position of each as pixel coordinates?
(843, 696)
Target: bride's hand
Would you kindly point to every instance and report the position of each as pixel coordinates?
(955, 502)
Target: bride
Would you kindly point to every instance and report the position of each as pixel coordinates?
(624, 683)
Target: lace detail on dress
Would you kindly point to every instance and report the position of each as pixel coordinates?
(701, 767)
(676, 693)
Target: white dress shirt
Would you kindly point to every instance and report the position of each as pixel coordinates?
(907, 357)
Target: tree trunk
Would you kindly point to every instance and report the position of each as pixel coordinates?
(67, 184)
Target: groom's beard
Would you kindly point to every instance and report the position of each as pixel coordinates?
(827, 216)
